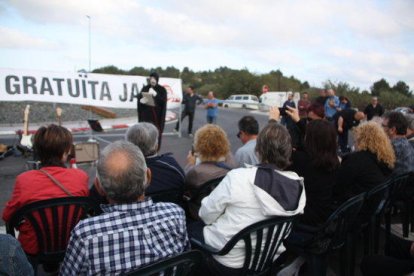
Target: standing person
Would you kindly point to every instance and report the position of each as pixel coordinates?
(286, 120)
(212, 108)
(373, 109)
(344, 103)
(331, 105)
(303, 105)
(153, 111)
(190, 100)
(344, 121)
(248, 131)
(321, 99)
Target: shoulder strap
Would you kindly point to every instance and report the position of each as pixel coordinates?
(223, 166)
(56, 182)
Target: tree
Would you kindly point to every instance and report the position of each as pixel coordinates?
(402, 88)
(379, 86)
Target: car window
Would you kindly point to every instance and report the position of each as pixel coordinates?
(230, 98)
(238, 98)
(245, 97)
(254, 98)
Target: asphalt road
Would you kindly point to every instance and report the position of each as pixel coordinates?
(227, 119)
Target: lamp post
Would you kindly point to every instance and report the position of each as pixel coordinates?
(89, 27)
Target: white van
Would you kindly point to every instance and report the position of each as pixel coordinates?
(242, 101)
(276, 98)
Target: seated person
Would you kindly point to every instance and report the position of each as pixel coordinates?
(167, 174)
(248, 195)
(211, 148)
(52, 145)
(370, 165)
(317, 163)
(13, 261)
(133, 231)
(248, 130)
(315, 111)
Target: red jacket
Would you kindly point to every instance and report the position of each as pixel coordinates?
(33, 186)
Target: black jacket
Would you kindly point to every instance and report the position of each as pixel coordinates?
(190, 102)
(359, 172)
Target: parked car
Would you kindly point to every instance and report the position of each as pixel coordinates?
(242, 101)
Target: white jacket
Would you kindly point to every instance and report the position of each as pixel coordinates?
(237, 203)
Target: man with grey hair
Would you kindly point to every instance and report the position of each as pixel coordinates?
(133, 231)
(373, 109)
(167, 174)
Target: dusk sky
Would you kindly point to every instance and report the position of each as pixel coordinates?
(357, 42)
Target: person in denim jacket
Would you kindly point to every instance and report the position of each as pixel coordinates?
(13, 261)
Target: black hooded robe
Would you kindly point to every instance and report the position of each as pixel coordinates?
(154, 114)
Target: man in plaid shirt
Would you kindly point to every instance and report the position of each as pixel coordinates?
(133, 231)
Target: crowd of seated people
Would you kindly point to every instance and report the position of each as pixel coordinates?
(305, 178)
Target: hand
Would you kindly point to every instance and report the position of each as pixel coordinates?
(340, 129)
(191, 159)
(274, 113)
(152, 92)
(293, 113)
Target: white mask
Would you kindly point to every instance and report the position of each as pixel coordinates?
(153, 81)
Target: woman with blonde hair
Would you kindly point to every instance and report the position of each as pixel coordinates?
(210, 159)
(370, 164)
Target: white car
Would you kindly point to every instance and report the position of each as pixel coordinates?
(242, 101)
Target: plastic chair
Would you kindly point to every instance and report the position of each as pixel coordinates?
(317, 242)
(395, 201)
(197, 194)
(52, 220)
(262, 241)
(180, 265)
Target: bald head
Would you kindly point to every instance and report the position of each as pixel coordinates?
(122, 172)
(359, 116)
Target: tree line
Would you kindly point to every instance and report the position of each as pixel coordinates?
(225, 81)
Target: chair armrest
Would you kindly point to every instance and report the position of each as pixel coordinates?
(204, 247)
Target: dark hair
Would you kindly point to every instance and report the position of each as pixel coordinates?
(397, 120)
(318, 109)
(191, 87)
(249, 125)
(274, 145)
(321, 145)
(155, 75)
(50, 143)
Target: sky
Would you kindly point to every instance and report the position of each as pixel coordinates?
(358, 42)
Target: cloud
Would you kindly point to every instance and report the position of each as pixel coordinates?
(15, 39)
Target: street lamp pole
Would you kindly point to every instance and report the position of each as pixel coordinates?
(89, 21)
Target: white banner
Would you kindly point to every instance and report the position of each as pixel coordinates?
(113, 91)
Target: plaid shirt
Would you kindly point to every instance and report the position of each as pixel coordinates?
(125, 237)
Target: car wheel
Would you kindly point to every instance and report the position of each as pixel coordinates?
(244, 106)
(226, 106)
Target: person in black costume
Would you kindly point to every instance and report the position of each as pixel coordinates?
(153, 112)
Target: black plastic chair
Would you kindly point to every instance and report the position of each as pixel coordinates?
(333, 234)
(196, 195)
(52, 221)
(398, 186)
(262, 241)
(183, 264)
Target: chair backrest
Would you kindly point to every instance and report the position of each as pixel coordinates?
(398, 185)
(52, 220)
(339, 223)
(179, 265)
(375, 200)
(204, 190)
(262, 241)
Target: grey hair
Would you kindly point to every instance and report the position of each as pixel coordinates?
(125, 183)
(274, 145)
(144, 136)
(410, 119)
